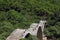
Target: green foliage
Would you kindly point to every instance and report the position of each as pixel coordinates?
(21, 13)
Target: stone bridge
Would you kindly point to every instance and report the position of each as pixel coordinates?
(36, 29)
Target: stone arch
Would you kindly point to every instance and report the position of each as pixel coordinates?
(27, 35)
(39, 33)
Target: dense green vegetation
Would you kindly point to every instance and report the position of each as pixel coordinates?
(21, 13)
